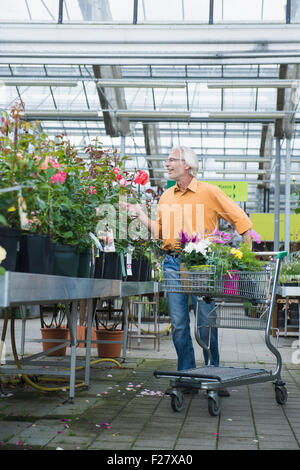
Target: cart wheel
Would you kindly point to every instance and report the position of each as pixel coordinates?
(214, 406)
(281, 395)
(177, 400)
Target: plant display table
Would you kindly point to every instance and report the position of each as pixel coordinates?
(21, 289)
(129, 289)
(287, 292)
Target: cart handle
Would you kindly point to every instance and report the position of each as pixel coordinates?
(280, 254)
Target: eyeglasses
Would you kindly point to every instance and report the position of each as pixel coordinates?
(171, 160)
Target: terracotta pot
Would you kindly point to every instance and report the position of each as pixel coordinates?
(109, 350)
(94, 337)
(55, 333)
(81, 334)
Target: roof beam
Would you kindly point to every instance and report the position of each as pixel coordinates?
(100, 44)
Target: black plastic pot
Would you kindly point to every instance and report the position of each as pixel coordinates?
(84, 264)
(108, 266)
(145, 270)
(136, 270)
(112, 266)
(34, 254)
(66, 260)
(10, 240)
(99, 265)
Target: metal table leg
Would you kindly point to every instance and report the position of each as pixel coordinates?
(72, 322)
(126, 311)
(88, 341)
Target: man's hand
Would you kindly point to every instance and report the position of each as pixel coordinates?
(247, 238)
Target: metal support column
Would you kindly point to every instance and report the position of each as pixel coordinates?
(287, 196)
(277, 195)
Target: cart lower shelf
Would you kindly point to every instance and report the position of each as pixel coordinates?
(211, 377)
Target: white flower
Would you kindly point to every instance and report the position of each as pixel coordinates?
(2, 254)
(199, 247)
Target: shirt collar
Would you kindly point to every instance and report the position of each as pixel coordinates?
(192, 186)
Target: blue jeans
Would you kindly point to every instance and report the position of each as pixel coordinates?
(180, 320)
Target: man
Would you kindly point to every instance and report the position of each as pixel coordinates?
(194, 207)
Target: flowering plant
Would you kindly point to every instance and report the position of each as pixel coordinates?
(217, 251)
(290, 271)
(60, 189)
(2, 257)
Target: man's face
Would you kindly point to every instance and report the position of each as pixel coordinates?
(175, 166)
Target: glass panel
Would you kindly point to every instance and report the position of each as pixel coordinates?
(274, 10)
(240, 71)
(266, 99)
(239, 99)
(161, 71)
(202, 99)
(235, 10)
(40, 99)
(295, 11)
(31, 10)
(14, 10)
(152, 10)
(98, 10)
(196, 10)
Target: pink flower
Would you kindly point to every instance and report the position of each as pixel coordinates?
(46, 163)
(255, 236)
(59, 177)
(123, 182)
(92, 190)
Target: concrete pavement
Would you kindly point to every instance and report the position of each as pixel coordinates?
(125, 408)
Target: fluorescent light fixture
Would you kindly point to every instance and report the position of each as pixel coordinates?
(31, 82)
(153, 114)
(115, 83)
(61, 114)
(228, 171)
(246, 159)
(253, 84)
(247, 115)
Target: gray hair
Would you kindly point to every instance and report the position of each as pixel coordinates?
(190, 158)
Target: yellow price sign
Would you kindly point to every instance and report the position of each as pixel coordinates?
(236, 190)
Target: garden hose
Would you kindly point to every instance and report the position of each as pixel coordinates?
(27, 379)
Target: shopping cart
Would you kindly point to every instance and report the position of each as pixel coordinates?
(243, 300)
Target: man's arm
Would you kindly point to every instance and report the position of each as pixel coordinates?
(137, 211)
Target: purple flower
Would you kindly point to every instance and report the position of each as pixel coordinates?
(195, 238)
(184, 238)
(255, 236)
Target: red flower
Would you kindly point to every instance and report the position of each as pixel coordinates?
(117, 172)
(141, 178)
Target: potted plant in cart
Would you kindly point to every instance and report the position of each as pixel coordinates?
(216, 261)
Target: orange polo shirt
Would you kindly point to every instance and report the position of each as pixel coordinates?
(198, 209)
